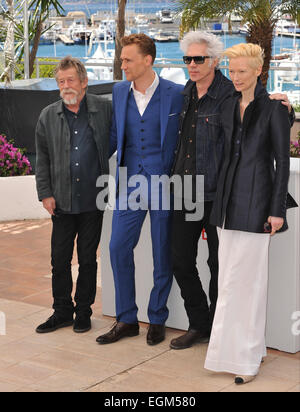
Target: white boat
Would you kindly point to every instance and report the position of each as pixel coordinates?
(141, 20)
(291, 76)
(286, 26)
(49, 37)
(98, 71)
(164, 37)
(244, 29)
(165, 16)
(80, 33)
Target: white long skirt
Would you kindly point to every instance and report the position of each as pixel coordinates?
(237, 343)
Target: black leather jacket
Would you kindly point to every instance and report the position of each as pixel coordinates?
(209, 134)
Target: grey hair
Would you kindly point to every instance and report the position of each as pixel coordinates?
(214, 45)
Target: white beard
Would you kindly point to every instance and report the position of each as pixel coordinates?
(69, 100)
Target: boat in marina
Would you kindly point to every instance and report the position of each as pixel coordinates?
(288, 77)
(165, 37)
(165, 16)
(49, 37)
(99, 66)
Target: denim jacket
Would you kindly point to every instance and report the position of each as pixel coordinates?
(209, 134)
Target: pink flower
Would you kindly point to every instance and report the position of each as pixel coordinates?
(13, 162)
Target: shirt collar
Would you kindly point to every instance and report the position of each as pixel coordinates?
(150, 89)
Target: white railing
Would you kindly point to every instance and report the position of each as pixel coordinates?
(166, 63)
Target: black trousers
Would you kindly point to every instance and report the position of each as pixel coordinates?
(185, 238)
(87, 228)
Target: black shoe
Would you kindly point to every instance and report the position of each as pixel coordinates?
(187, 340)
(119, 331)
(54, 323)
(156, 334)
(82, 324)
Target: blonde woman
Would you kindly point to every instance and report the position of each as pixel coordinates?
(249, 207)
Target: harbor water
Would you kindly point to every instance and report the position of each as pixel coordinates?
(169, 51)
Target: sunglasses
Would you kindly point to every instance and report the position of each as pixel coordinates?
(197, 59)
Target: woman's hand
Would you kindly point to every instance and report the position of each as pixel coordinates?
(276, 223)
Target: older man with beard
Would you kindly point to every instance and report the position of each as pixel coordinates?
(72, 146)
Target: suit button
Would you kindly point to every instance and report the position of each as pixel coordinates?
(142, 130)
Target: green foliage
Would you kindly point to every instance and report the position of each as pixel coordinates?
(295, 147)
(45, 71)
(296, 107)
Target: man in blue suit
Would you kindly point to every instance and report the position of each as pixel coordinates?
(144, 132)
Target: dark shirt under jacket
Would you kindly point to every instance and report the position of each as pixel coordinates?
(84, 161)
(200, 147)
(186, 161)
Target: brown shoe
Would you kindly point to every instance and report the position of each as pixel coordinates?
(187, 340)
(119, 331)
(156, 334)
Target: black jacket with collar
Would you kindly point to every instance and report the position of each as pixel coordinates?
(254, 189)
(53, 145)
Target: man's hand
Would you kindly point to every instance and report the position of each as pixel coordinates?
(284, 98)
(276, 223)
(50, 205)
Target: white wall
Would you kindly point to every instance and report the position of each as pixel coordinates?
(18, 199)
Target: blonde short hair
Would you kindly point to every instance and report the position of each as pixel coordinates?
(253, 51)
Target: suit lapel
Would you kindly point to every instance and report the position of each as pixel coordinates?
(121, 112)
(165, 105)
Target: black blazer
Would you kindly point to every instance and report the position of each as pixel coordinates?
(254, 189)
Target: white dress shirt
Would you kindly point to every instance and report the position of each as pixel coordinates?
(142, 100)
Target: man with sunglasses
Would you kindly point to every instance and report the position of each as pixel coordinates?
(199, 152)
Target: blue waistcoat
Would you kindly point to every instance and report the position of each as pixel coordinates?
(143, 137)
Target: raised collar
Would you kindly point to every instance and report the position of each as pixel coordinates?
(259, 90)
(213, 89)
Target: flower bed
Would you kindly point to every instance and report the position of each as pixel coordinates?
(13, 162)
(295, 147)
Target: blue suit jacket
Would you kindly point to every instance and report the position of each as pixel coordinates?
(171, 101)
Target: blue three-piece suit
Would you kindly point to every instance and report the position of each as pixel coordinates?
(146, 146)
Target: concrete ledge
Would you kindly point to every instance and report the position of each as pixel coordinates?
(19, 199)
